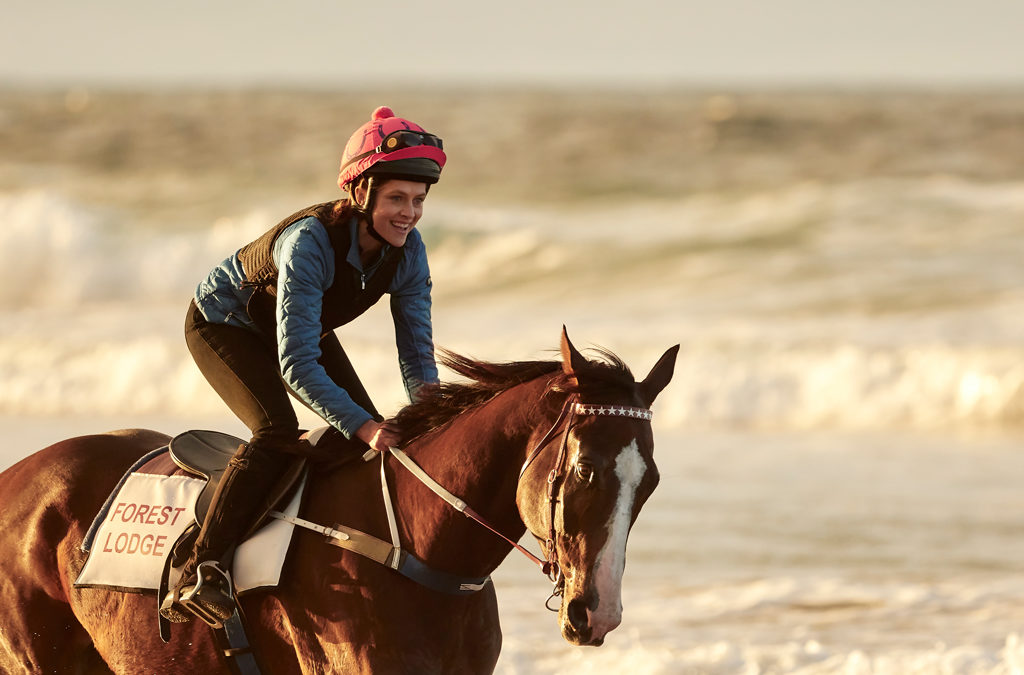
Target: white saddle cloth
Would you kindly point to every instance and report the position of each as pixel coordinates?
(146, 517)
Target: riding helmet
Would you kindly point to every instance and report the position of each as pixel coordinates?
(391, 147)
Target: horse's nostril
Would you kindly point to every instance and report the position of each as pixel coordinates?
(577, 614)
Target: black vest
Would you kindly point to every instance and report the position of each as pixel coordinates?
(349, 296)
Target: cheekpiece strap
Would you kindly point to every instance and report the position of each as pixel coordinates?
(613, 410)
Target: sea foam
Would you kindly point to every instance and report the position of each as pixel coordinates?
(788, 317)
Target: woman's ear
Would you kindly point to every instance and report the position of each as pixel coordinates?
(359, 193)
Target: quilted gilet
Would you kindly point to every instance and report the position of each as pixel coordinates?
(349, 295)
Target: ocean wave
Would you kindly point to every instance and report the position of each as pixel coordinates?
(850, 386)
(797, 309)
(733, 386)
(901, 242)
(59, 253)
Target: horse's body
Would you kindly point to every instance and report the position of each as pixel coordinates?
(334, 610)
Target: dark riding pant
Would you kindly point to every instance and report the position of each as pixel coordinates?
(242, 367)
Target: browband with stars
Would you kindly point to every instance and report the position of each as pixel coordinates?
(614, 410)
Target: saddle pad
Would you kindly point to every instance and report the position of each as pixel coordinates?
(135, 530)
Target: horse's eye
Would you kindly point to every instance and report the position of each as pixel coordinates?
(585, 472)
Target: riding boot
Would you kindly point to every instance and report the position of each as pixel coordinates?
(239, 499)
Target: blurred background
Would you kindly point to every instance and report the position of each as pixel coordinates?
(823, 203)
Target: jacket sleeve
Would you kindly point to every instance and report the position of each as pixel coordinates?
(305, 263)
(410, 308)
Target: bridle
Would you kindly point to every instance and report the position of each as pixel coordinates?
(556, 477)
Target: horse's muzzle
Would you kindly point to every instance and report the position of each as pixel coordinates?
(582, 626)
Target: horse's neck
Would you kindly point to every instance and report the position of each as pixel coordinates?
(477, 457)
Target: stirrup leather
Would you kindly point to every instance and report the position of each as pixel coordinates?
(209, 573)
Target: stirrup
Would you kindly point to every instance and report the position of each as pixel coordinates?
(171, 609)
(214, 582)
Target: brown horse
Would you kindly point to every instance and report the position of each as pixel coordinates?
(564, 450)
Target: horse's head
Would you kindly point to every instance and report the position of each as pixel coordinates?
(604, 474)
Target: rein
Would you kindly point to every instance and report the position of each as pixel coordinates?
(393, 556)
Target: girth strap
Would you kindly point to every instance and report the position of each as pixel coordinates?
(310, 525)
(391, 556)
(347, 538)
(234, 644)
(414, 568)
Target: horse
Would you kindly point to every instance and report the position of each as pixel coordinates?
(562, 449)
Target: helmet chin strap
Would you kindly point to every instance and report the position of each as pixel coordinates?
(373, 231)
(366, 209)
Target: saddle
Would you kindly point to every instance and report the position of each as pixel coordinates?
(206, 454)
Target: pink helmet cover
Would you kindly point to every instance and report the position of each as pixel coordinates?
(366, 140)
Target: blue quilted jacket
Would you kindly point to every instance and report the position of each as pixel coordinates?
(306, 264)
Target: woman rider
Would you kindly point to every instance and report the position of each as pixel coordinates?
(261, 327)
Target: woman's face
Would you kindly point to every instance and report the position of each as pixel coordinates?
(397, 209)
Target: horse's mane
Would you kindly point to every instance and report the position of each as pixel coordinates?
(439, 404)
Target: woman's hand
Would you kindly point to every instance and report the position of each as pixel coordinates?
(379, 435)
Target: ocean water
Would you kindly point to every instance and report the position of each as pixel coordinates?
(839, 447)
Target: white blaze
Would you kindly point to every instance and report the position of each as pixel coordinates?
(611, 559)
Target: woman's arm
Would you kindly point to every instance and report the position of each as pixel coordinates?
(305, 262)
(410, 308)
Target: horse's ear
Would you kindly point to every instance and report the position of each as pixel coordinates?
(572, 360)
(659, 377)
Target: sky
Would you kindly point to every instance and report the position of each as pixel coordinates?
(552, 42)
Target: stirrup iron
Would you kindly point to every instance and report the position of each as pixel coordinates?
(209, 573)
